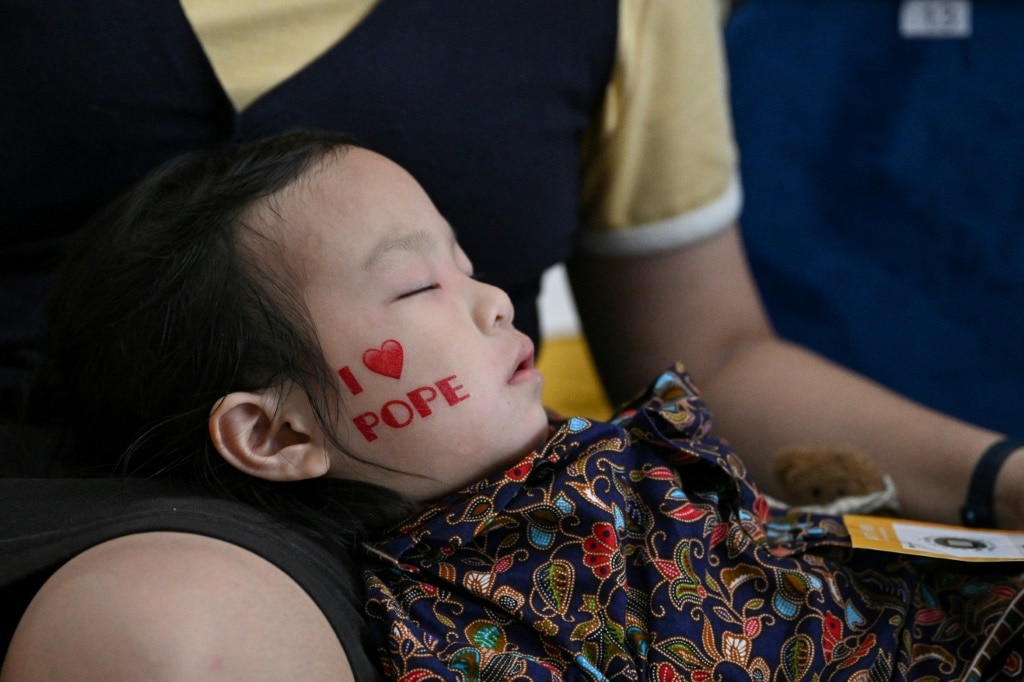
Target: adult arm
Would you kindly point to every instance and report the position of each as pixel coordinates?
(698, 304)
(173, 606)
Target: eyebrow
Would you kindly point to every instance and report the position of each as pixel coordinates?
(416, 241)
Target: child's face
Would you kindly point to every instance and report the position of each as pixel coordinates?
(437, 387)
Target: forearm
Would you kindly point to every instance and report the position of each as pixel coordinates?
(699, 305)
(772, 396)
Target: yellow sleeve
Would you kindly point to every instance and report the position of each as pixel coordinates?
(660, 164)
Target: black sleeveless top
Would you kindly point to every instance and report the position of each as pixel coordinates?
(45, 522)
(485, 102)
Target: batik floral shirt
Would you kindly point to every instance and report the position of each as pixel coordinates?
(639, 550)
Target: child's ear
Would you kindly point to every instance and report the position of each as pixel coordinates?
(269, 434)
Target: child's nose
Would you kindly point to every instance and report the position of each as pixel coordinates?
(493, 307)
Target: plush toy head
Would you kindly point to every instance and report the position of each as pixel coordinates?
(819, 476)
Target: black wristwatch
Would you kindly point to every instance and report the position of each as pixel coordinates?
(978, 511)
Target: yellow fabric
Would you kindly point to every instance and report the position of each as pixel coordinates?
(662, 148)
(571, 385)
(255, 45)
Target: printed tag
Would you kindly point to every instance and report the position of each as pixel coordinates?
(935, 18)
(933, 539)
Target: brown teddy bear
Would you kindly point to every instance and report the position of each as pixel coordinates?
(834, 480)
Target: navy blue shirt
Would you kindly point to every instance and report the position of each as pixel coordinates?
(883, 179)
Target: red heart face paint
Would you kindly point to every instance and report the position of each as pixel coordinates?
(387, 360)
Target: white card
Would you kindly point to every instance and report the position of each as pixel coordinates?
(935, 18)
(935, 540)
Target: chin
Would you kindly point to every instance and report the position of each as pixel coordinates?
(541, 438)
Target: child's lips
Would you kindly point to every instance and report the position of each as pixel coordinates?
(524, 369)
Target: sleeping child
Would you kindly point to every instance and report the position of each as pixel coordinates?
(281, 318)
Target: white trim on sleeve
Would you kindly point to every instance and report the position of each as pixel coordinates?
(664, 235)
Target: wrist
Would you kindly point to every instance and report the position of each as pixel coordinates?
(990, 495)
(1009, 500)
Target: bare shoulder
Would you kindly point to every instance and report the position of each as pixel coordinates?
(170, 606)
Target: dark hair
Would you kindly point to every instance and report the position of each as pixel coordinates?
(169, 301)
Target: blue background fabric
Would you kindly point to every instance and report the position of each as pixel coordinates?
(884, 193)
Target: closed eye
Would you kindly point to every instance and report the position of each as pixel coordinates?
(420, 290)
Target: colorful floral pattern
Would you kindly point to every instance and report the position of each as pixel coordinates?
(638, 550)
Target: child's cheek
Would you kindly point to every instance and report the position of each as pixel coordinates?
(407, 407)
